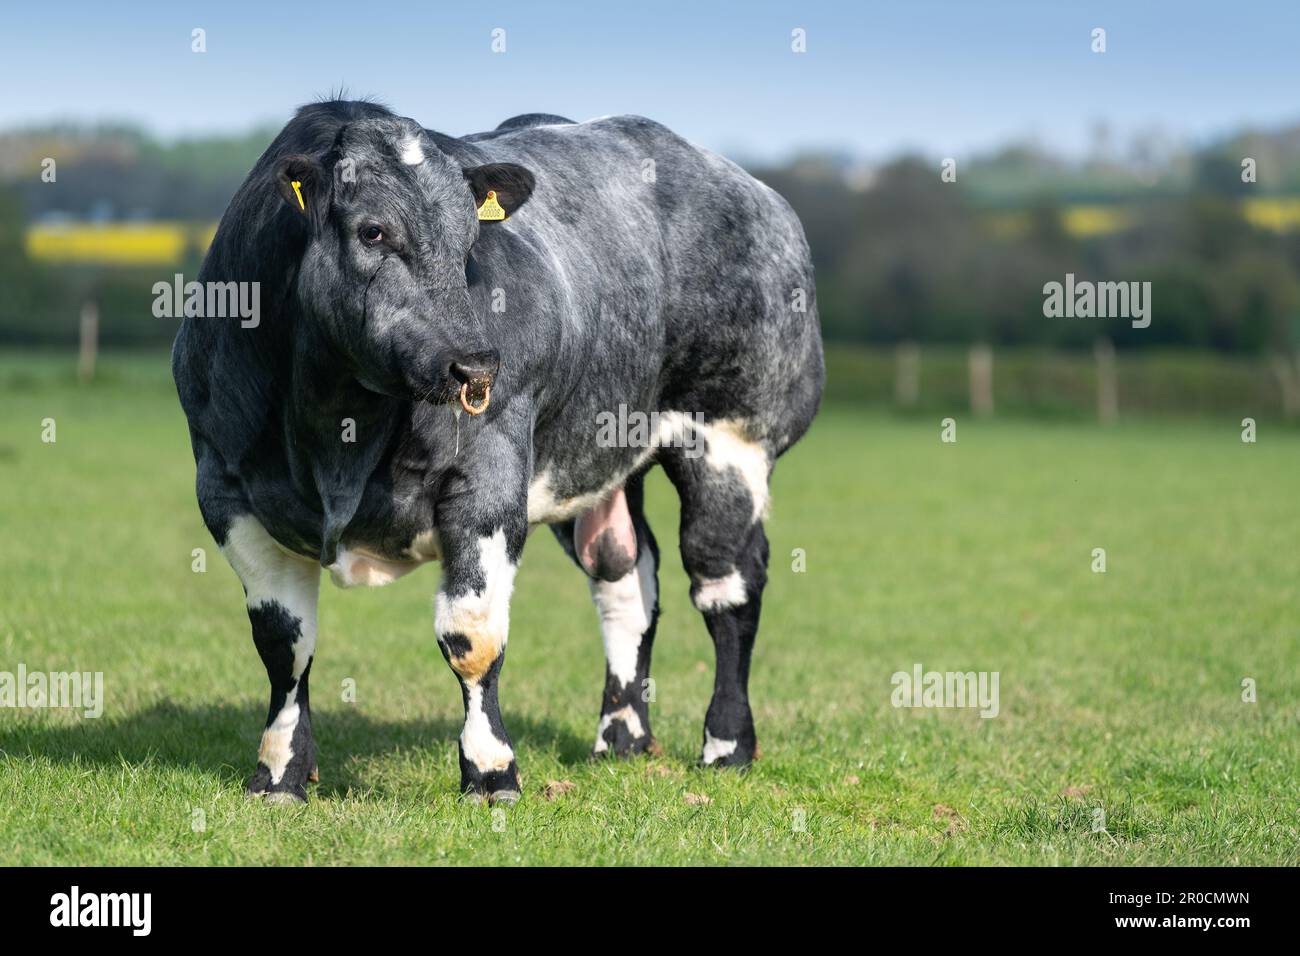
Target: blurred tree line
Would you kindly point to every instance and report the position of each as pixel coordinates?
(911, 258)
(901, 255)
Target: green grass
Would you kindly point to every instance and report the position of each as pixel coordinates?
(1118, 690)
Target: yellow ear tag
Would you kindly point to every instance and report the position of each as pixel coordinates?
(491, 210)
(297, 191)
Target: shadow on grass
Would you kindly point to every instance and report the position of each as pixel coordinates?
(222, 739)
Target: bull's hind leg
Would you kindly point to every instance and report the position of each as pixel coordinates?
(281, 590)
(614, 545)
(723, 489)
(730, 605)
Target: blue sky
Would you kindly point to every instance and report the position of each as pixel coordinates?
(943, 77)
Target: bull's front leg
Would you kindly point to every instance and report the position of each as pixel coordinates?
(471, 619)
(281, 592)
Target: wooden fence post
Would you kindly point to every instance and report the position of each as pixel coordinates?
(1287, 374)
(981, 379)
(1107, 381)
(89, 348)
(907, 374)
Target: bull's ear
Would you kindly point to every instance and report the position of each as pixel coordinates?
(513, 184)
(301, 181)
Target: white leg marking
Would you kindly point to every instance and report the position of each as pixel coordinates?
(625, 607)
(276, 750)
(718, 594)
(715, 749)
(625, 714)
(481, 746)
(482, 617)
(729, 448)
(272, 575)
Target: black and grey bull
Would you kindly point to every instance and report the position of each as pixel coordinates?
(634, 273)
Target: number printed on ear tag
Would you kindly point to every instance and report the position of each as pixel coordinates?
(491, 210)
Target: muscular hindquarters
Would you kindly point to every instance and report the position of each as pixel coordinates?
(742, 335)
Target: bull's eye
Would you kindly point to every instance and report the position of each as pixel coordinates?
(371, 235)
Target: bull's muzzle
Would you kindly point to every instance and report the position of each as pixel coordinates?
(475, 373)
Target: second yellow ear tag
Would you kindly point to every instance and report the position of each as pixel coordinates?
(491, 210)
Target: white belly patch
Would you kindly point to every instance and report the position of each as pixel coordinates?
(360, 566)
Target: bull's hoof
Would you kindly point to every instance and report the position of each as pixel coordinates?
(259, 785)
(737, 761)
(492, 786)
(278, 797)
(506, 797)
(616, 738)
(625, 746)
(722, 752)
(283, 797)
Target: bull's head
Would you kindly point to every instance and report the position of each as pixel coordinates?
(391, 220)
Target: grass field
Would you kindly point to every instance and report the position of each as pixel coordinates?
(1120, 691)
